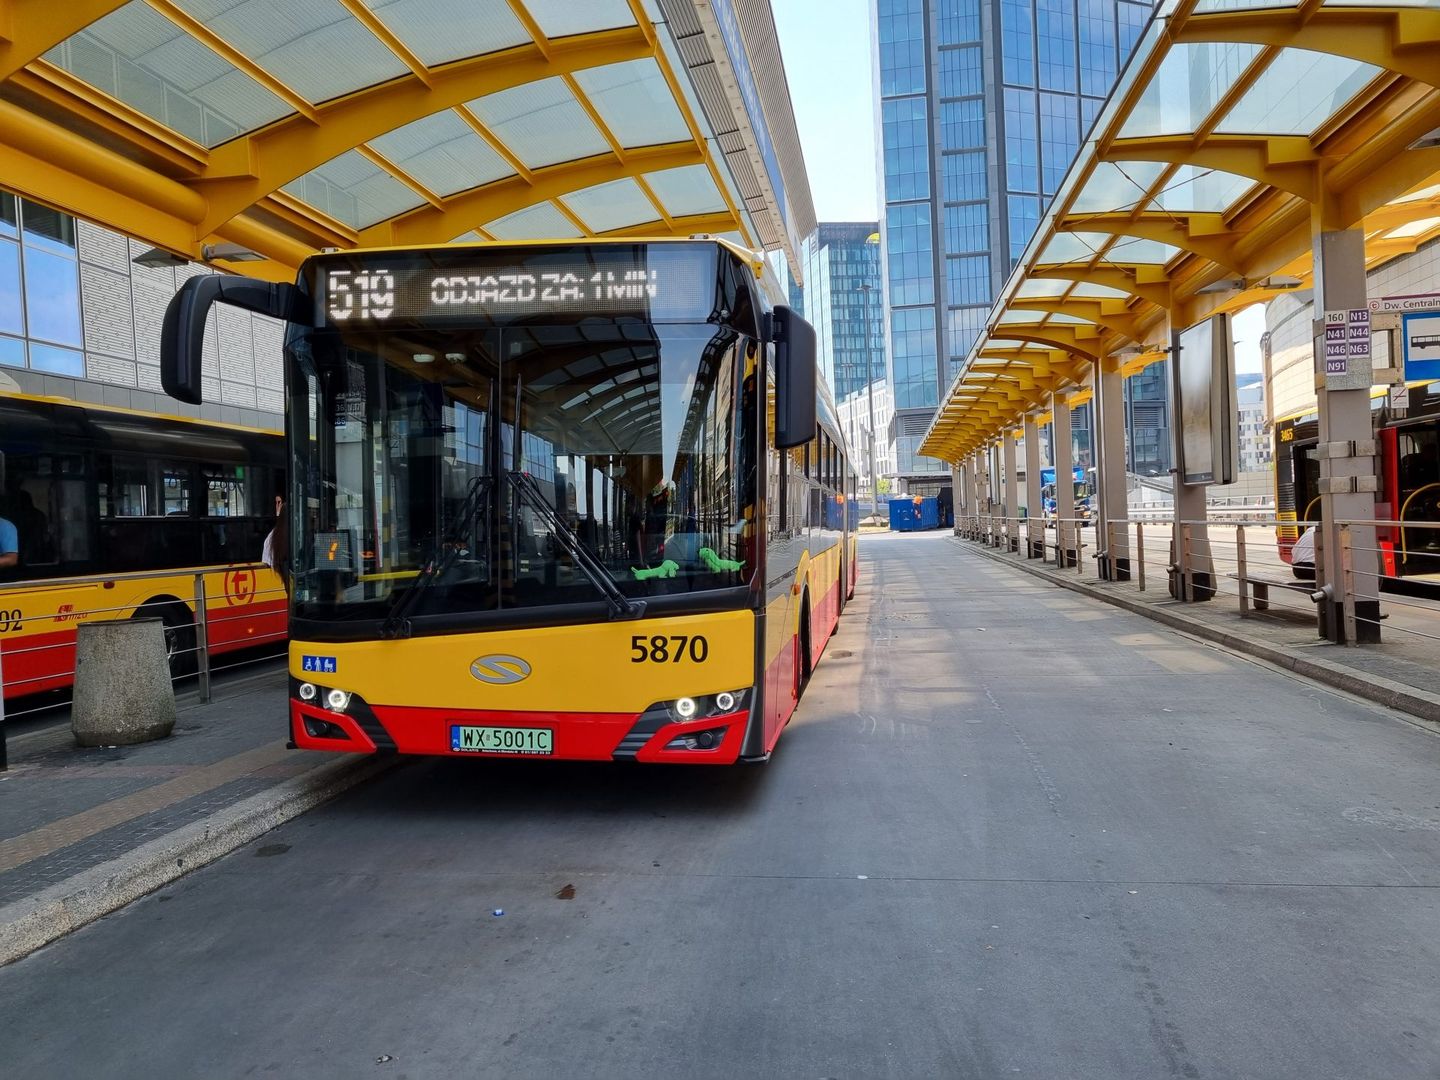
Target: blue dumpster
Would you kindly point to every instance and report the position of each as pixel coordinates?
(910, 515)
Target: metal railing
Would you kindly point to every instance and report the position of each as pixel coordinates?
(203, 625)
(1235, 557)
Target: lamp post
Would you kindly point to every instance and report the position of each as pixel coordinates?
(866, 288)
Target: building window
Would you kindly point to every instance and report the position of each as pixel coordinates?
(959, 21)
(962, 327)
(39, 289)
(960, 72)
(967, 228)
(1089, 110)
(965, 176)
(1097, 46)
(912, 347)
(1023, 215)
(1133, 20)
(901, 28)
(1017, 42)
(1022, 145)
(909, 256)
(1059, 139)
(967, 279)
(907, 149)
(1055, 44)
(962, 124)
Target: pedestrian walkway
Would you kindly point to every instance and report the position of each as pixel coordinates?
(1399, 672)
(83, 831)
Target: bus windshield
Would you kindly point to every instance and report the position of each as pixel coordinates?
(447, 472)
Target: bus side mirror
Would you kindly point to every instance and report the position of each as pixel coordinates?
(795, 379)
(182, 335)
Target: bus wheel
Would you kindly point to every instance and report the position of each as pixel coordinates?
(179, 633)
(805, 665)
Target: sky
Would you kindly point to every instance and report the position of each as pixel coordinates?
(826, 46)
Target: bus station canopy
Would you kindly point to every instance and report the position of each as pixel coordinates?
(1238, 128)
(261, 131)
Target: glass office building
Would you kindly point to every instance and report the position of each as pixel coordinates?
(982, 105)
(841, 263)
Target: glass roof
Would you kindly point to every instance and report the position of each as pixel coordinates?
(1072, 247)
(1298, 91)
(316, 48)
(137, 55)
(541, 122)
(612, 206)
(443, 153)
(439, 31)
(1415, 228)
(1192, 79)
(561, 18)
(635, 102)
(352, 190)
(539, 220)
(686, 190)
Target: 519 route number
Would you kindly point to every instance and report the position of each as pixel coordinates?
(662, 649)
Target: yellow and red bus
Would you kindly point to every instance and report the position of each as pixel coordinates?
(570, 500)
(96, 493)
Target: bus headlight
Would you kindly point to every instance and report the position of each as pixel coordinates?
(724, 702)
(685, 708)
(337, 700)
(307, 691)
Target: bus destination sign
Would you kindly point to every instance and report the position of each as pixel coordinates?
(378, 294)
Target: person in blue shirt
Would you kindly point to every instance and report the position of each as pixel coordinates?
(9, 545)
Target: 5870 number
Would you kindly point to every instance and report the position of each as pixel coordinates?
(668, 649)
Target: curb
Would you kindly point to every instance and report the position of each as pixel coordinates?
(1373, 688)
(27, 924)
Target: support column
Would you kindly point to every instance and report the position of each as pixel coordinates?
(1064, 478)
(957, 496)
(1034, 511)
(1113, 496)
(1012, 507)
(1192, 570)
(1348, 482)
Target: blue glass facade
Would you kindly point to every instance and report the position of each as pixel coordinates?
(842, 262)
(39, 289)
(983, 106)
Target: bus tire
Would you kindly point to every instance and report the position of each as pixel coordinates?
(806, 666)
(179, 633)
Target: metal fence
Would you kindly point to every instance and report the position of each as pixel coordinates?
(1234, 557)
(190, 644)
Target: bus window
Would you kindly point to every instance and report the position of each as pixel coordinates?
(175, 489)
(225, 492)
(126, 491)
(45, 500)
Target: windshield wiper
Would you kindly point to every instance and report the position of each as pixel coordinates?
(396, 624)
(621, 606)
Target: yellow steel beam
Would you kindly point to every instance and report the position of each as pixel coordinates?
(1399, 39)
(244, 170)
(694, 225)
(1287, 162)
(1204, 234)
(1145, 282)
(31, 28)
(464, 211)
(361, 12)
(1091, 310)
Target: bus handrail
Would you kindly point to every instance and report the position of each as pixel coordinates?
(134, 575)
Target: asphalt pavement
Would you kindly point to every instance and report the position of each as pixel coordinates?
(1012, 831)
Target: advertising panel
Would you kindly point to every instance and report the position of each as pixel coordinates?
(1204, 383)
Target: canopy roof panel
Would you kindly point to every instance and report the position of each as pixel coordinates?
(283, 128)
(1237, 127)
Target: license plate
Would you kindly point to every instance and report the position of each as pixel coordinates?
(501, 740)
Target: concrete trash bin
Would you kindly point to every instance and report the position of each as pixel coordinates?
(122, 683)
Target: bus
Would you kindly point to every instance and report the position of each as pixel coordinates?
(561, 500)
(1407, 457)
(97, 492)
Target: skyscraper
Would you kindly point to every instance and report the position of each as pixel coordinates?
(841, 259)
(981, 108)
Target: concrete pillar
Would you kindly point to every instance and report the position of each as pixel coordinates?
(1064, 477)
(1347, 451)
(122, 692)
(1034, 511)
(1192, 576)
(957, 496)
(1012, 507)
(1113, 495)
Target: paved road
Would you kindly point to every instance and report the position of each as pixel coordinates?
(1011, 832)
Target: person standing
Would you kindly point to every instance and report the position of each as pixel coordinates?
(9, 545)
(276, 551)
